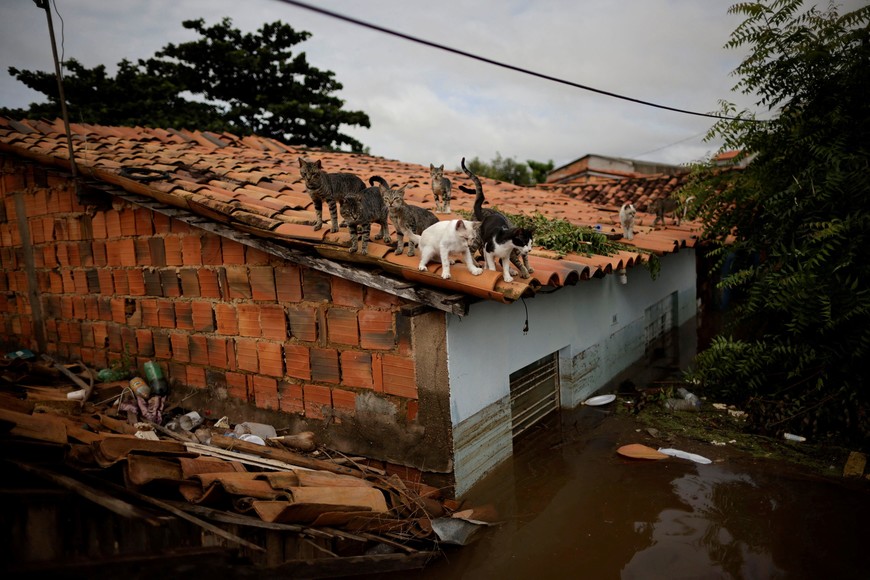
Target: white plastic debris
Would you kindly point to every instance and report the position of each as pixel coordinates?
(685, 455)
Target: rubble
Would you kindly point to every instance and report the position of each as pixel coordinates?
(142, 459)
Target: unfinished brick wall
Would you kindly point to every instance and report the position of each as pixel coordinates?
(214, 313)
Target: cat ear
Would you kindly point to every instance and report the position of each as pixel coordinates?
(460, 225)
(441, 167)
(431, 167)
(301, 162)
(319, 164)
(403, 188)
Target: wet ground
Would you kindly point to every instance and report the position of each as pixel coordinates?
(572, 508)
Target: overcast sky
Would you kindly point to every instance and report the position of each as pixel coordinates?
(430, 106)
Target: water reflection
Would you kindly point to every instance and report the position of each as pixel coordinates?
(572, 508)
(716, 531)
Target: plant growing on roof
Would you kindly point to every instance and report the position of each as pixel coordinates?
(243, 83)
(798, 216)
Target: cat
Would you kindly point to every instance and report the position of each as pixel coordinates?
(445, 238)
(627, 214)
(361, 209)
(440, 188)
(329, 187)
(407, 219)
(498, 236)
(665, 205)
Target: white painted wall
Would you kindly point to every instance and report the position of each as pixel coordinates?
(487, 345)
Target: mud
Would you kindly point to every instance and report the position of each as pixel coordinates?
(571, 507)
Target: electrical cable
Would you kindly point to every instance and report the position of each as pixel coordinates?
(431, 44)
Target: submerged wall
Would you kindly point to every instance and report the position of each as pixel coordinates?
(598, 328)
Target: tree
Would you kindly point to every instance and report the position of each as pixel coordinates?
(799, 217)
(241, 83)
(510, 170)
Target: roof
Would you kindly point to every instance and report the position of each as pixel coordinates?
(249, 189)
(641, 191)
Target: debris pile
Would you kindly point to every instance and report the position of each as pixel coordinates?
(214, 474)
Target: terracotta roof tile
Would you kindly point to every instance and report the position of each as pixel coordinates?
(252, 184)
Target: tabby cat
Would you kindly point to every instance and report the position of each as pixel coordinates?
(500, 240)
(329, 187)
(361, 209)
(440, 188)
(407, 219)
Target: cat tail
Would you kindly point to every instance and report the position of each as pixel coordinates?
(413, 237)
(378, 179)
(478, 190)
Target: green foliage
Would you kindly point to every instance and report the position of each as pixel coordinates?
(560, 235)
(510, 170)
(241, 83)
(798, 219)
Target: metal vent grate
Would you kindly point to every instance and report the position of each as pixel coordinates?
(534, 393)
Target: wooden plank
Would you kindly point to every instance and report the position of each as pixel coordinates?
(196, 521)
(353, 565)
(41, 427)
(101, 498)
(281, 455)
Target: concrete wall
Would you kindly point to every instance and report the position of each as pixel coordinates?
(599, 327)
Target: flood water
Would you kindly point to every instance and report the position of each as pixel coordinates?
(572, 508)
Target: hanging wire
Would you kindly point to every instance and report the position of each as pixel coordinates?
(518, 69)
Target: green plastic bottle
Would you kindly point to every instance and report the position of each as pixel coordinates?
(154, 374)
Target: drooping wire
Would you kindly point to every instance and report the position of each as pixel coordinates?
(466, 54)
(526, 326)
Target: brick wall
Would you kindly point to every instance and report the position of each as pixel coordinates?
(214, 313)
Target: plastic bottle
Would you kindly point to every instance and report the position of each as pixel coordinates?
(154, 374)
(690, 397)
(140, 387)
(793, 437)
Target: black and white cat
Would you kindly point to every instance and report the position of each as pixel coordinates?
(361, 209)
(445, 238)
(500, 240)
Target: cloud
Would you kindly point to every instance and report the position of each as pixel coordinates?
(428, 105)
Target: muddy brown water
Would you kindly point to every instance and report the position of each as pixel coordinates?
(571, 507)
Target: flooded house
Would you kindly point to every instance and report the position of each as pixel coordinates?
(196, 250)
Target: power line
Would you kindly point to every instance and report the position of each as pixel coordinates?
(503, 64)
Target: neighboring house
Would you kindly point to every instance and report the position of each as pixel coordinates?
(593, 168)
(195, 250)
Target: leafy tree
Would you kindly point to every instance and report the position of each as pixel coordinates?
(510, 170)
(240, 82)
(799, 218)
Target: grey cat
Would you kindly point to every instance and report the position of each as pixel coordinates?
(361, 209)
(407, 219)
(440, 188)
(329, 187)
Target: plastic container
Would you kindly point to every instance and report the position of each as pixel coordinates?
(154, 374)
(140, 387)
(259, 429)
(190, 421)
(793, 437)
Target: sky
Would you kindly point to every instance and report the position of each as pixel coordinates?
(432, 106)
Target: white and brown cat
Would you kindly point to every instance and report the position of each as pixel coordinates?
(444, 239)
